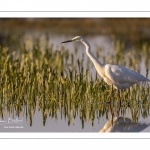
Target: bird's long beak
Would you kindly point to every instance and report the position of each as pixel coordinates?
(67, 41)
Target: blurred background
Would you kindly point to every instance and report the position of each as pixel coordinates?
(130, 30)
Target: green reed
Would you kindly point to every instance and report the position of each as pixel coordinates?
(36, 78)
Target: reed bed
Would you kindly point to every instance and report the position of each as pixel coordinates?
(56, 82)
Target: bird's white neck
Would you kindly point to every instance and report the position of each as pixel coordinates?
(98, 65)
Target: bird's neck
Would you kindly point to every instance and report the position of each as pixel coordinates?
(98, 65)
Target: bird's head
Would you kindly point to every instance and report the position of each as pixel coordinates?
(77, 38)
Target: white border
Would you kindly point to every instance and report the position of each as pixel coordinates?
(66, 14)
(37, 135)
(59, 144)
(74, 5)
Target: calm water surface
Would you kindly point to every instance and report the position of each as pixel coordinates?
(22, 124)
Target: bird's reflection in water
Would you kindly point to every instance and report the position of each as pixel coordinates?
(121, 124)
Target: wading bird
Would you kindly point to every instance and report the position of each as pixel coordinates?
(114, 75)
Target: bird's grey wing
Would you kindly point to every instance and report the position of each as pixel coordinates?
(120, 74)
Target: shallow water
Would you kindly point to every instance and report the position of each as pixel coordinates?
(59, 125)
(22, 123)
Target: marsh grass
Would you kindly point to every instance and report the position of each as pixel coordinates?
(36, 78)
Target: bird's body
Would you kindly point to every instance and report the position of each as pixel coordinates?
(121, 77)
(114, 75)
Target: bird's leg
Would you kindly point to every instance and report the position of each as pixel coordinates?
(111, 92)
(111, 112)
(119, 101)
(110, 96)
